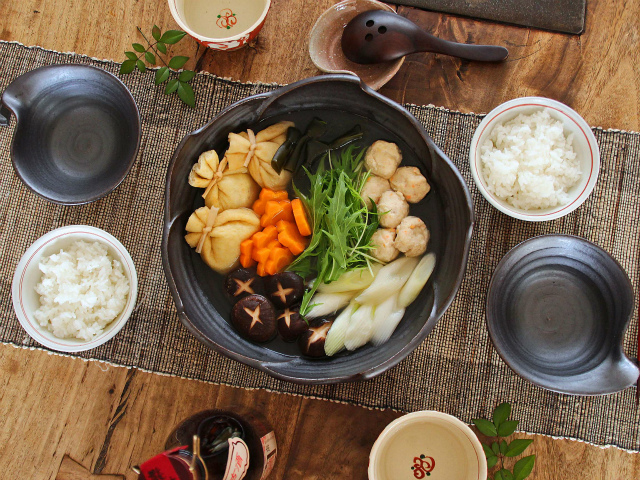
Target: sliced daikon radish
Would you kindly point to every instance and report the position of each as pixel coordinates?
(360, 327)
(385, 328)
(418, 279)
(335, 338)
(354, 280)
(327, 303)
(389, 280)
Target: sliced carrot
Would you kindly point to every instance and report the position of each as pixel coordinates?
(276, 210)
(261, 270)
(279, 258)
(274, 244)
(263, 238)
(289, 236)
(268, 194)
(261, 255)
(246, 248)
(258, 206)
(301, 217)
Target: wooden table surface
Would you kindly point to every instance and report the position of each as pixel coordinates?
(67, 419)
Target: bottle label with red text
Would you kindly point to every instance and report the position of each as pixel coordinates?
(270, 450)
(238, 460)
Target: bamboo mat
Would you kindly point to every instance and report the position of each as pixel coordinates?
(456, 370)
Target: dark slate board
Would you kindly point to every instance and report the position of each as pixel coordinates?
(565, 16)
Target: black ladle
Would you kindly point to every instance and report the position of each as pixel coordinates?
(378, 36)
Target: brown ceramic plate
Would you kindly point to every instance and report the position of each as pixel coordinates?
(342, 101)
(325, 48)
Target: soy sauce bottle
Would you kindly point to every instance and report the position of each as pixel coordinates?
(251, 439)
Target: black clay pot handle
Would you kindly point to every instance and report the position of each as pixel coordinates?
(5, 115)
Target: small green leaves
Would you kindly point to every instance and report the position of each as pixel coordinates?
(507, 428)
(500, 426)
(151, 55)
(495, 448)
(517, 446)
(185, 92)
(523, 467)
(172, 86)
(162, 75)
(501, 413)
(186, 76)
(503, 474)
(172, 37)
(486, 427)
(127, 66)
(177, 62)
(487, 451)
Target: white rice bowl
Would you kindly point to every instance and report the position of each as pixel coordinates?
(529, 163)
(82, 290)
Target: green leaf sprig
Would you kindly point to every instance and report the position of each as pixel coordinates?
(499, 450)
(151, 54)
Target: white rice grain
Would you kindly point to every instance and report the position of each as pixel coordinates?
(529, 163)
(82, 290)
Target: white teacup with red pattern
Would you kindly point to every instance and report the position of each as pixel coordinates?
(427, 445)
(220, 24)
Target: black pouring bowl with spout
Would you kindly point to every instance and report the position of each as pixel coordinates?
(558, 307)
(343, 102)
(77, 133)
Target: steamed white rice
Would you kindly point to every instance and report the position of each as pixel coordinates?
(529, 162)
(82, 290)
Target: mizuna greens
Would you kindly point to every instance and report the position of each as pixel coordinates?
(342, 224)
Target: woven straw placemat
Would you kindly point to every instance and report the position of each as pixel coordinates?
(456, 370)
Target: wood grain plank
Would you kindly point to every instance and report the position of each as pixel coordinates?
(72, 470)
(597, 73)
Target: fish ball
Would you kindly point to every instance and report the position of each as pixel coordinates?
(382, 158)
(411, 183)
(412, 237)
(393, 208)
(373, 188)
(384, 249)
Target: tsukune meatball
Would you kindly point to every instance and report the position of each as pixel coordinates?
(412, 237)
(392, 208)
(382, 158)
(411, 183)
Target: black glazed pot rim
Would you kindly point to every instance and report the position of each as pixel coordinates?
(505, 355)
(134, 156)
(267, 366)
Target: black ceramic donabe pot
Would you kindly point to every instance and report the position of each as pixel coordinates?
(339, 99)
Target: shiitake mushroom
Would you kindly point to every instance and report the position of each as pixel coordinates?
(311, 342)
(291, 324)
(243, 282)
(284, 289)
(255, 318)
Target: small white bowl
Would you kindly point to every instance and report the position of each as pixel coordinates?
(26, 301)
(584, 144)
(427, 444)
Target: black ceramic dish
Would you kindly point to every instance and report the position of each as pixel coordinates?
(343, 102)
(77, 135)
(557, 310)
